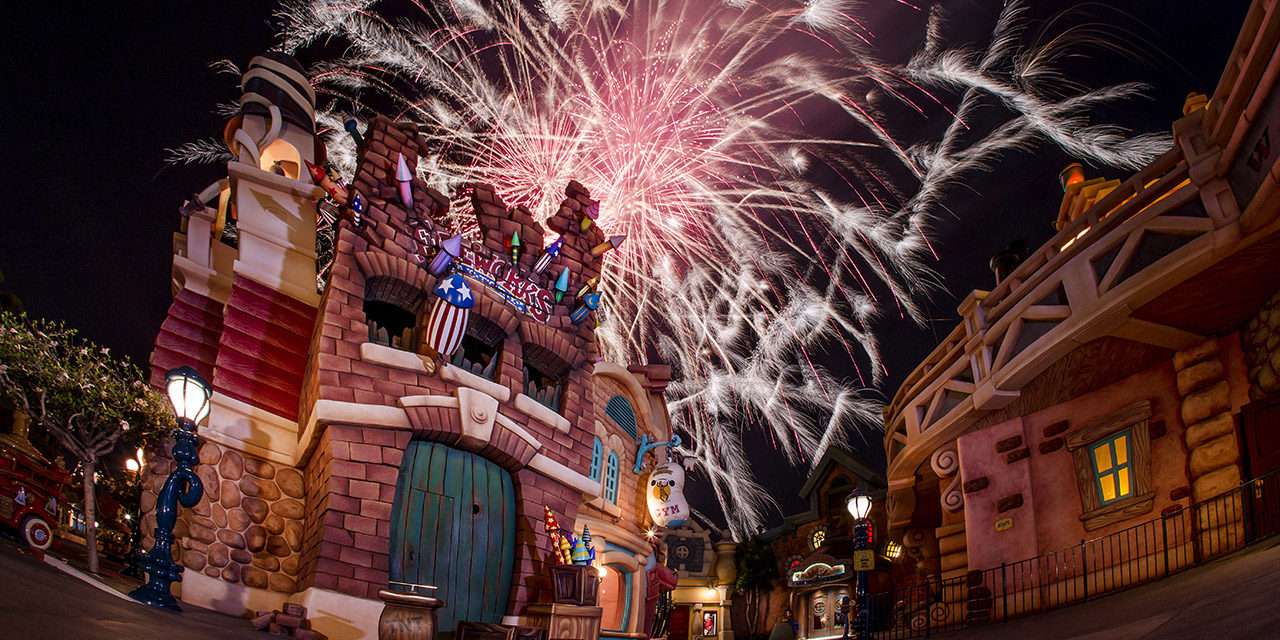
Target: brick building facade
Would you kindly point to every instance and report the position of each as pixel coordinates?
(337, 452)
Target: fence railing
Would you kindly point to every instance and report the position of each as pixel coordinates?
(1180, 538)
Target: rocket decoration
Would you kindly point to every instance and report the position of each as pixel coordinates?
(553, 533)
(513, 244)
(590, 302)
(608, 245)
(552, 252)
(562, 284)
(588, 286)
(560, 545)
(665, 495)
(564, 548)
(449, 249)
(353, 128)
(357, 209)
(404, 180)
(344, 197)
(583, 552)
(448, 321)
(322, 180)
(589, 214)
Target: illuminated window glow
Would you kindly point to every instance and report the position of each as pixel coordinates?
(1111, 459)
(819, 537)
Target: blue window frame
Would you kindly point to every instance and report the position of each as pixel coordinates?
(597, 456)
(619, 409)
(611, 479)
(1112, 457)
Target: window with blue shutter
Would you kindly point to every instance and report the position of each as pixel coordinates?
(597, 456)
(621, 412)
(611, 479)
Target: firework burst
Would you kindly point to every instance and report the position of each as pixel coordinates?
(771, 211)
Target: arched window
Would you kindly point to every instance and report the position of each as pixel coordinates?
(620, 411)
(818, 537)
(281, 158)
(481, 348)
(597, 457)
(611, 479)
(390, 308)
(545, 375)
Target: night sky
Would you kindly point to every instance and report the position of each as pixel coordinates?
(94, 93)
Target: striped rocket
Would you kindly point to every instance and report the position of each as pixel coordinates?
(449, 316)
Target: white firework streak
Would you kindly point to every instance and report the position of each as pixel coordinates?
(685, 119)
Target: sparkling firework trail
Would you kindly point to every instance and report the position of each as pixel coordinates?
(771, 210)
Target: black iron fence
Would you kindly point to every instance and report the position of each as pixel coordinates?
(1180, 538)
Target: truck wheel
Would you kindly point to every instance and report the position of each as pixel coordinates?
(37, 532)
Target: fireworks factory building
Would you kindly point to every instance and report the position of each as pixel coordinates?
(341, 458)
(1121, 374)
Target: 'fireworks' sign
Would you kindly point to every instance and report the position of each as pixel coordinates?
(499, 276)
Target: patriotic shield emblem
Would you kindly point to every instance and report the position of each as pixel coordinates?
(452, 309)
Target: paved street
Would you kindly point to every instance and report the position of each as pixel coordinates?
(1232, 599)
(1227, 600)
(39, 602)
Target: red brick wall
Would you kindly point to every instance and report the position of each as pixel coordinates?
(351, 485)
(351, 473)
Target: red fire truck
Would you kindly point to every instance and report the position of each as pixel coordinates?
(29, 490)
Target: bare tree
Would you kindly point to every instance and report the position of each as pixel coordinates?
(89, 401)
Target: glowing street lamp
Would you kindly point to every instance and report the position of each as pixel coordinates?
(189, 394)
(859, 504)
(134, 467)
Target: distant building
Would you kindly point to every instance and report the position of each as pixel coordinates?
(1122, 371)
(341, 457)
(703, 557)
(814, 548)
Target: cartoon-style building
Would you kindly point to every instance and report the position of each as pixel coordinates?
(342, 456)
(1123, 371)
(703, 558)
(815, 548)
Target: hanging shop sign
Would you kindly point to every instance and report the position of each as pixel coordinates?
(665, 496)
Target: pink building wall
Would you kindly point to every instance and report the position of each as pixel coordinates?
(1043, 473)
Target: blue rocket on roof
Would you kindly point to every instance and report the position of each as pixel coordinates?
(453, 289)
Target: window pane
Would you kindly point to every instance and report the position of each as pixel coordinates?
(1123, 479)
(1122, 449)
(1107, 482)
(1102, 457)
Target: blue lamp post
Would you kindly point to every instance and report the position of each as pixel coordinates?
(859, 504)
(189, 394)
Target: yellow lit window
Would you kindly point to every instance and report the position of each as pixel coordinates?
(1111, 467)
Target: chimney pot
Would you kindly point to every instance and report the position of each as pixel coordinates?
(1072, 174)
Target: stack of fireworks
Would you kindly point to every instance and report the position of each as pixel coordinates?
(567, 548)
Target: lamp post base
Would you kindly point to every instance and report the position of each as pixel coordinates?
(155, 595)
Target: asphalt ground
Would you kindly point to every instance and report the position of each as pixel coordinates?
(40, 602)
(1233, 598)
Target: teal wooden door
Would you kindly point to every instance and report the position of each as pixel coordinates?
(453, 526)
